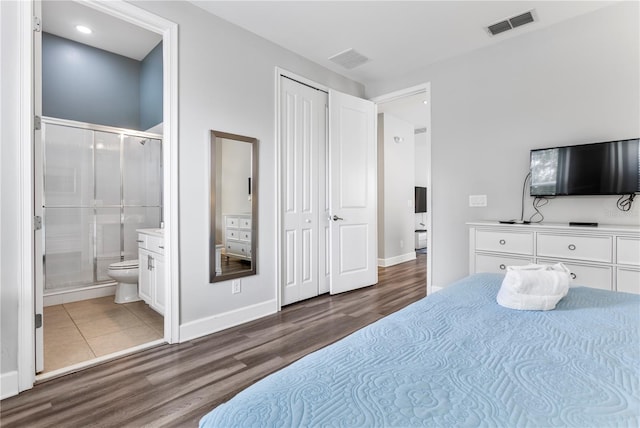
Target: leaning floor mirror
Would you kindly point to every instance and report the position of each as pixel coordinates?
(233, 227)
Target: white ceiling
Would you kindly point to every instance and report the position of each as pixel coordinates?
(398, 36)
(410, 108)
(109, 33)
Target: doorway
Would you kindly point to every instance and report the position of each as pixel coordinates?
(31, 302)
(410, 107)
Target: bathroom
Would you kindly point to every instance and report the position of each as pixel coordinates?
(99, 183)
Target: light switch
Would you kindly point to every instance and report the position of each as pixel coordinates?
(477, 200)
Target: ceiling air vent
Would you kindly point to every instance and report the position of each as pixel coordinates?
(349, 59)
(511, 23)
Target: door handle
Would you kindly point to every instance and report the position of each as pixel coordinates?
(336, 218)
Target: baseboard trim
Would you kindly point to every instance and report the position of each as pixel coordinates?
(215, 323)
(9, 384)
(435, 288)
(397, 259)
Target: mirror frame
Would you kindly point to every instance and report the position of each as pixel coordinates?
(212, 206)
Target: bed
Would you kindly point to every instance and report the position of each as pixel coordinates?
(458, 359)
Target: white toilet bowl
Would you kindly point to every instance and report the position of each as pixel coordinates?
(126, 274)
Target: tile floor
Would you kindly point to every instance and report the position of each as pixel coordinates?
(80, 331)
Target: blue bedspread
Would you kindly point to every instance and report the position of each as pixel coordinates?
(458, 359)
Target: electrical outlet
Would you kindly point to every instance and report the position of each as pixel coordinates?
(235, 286)
(477, 200)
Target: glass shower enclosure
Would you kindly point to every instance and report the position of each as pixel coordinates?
(100, 184)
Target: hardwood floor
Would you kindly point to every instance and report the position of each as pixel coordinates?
(175, 385)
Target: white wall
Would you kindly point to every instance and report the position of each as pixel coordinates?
(396, 181)
(236, 169)
(10, 198)
(576, 82)
(226, 83)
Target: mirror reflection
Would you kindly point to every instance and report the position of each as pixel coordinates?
(233, 223)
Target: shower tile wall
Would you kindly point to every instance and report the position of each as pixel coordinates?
(99, 187)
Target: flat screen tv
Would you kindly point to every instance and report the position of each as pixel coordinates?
(421, 199)
(609, 168)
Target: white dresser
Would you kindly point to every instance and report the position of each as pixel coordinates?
(237, 236)
(606, 256)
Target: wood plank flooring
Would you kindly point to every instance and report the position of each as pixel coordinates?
(175, 385)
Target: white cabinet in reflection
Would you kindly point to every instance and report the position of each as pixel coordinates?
(237, 236)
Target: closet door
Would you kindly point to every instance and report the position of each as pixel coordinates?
(353, 190)
(303, 137)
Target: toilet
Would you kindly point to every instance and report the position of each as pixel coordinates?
(126, 274)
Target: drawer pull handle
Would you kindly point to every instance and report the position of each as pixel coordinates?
(502, 242)
(572, 247)
(161, 246)
(139, 240)
(502, 267)
(573, 275)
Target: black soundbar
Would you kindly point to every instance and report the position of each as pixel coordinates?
(583, 223)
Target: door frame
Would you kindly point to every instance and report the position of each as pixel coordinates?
(402, 93)
(26, 305)
(279, 214)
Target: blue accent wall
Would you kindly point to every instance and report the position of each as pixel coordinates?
(151, 88)
(86, 84)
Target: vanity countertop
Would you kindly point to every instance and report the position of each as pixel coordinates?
(153, 232)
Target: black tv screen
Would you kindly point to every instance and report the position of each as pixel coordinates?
(421, 199)
(610, 168)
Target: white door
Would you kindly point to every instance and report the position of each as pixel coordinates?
(38, 192)
(353, 190)
(303, 112)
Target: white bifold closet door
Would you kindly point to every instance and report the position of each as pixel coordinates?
(303, 130)
(329, 193)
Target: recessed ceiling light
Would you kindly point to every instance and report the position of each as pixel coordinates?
(425, 102)
(83, 29)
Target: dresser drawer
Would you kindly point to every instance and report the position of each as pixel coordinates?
(628, 280)
(239, 249)
(628, 251)
(586, 275)
(588, 248)
(505, 242)
(244, 235)
(244, 222)
(498, 264)
(232, 221)
(233, 234)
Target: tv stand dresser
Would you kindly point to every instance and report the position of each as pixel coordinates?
(606, 257)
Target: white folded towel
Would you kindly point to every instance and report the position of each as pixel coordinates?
(534, 287)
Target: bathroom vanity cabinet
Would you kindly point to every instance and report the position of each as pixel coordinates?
(151, 286)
